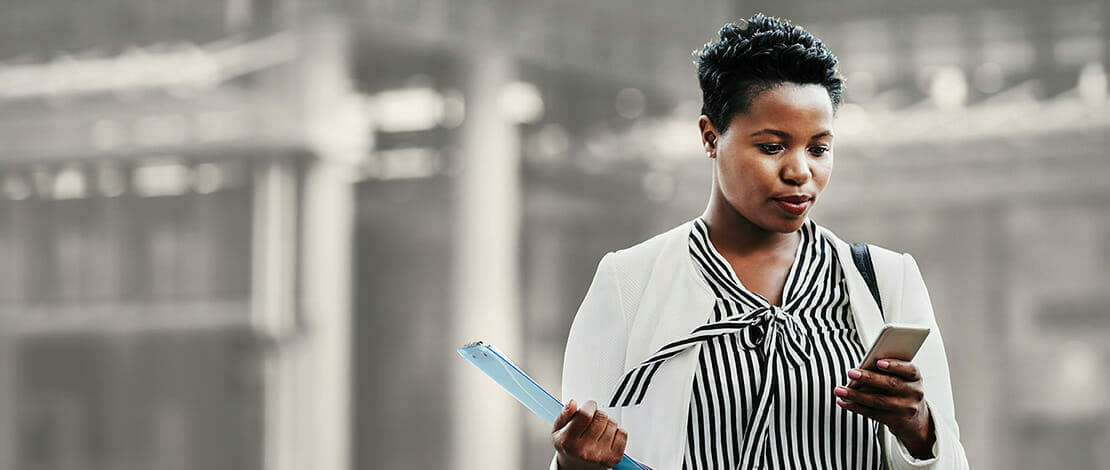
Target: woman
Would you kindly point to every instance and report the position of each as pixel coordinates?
(728, 342)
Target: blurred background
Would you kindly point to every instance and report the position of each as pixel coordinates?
(250, 234)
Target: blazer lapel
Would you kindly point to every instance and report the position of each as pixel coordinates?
(674, 304)
(865, 312)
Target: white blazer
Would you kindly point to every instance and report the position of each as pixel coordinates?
(648, 295)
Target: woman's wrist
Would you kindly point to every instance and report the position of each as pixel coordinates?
(920, 441)
(565, 462)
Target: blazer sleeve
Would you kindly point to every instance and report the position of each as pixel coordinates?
(932, 362)
(596, 345)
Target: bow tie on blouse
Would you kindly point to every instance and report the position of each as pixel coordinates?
(773, 330)
(776, 333)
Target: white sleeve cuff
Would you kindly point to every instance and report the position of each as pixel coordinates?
(905, 458)
(913, 461)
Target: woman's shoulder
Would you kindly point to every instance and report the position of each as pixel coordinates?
(893, 267)
(635, 267)
(649, 250)
(876, 250)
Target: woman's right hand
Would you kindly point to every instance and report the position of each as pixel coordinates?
(586, 438)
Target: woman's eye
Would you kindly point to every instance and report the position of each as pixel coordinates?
(770, 148)
(818, 150)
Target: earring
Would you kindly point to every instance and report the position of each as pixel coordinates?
(709, 154)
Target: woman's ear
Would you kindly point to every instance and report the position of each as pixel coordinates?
(708, 136)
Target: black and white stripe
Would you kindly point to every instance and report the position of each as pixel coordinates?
(753, 411)
(762, 392)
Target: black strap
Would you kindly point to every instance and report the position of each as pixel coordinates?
(862, 256)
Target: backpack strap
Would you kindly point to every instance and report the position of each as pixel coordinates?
(862, 256)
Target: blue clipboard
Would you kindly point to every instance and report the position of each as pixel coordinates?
(503, 371)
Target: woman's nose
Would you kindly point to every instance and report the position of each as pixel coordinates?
(795, 169)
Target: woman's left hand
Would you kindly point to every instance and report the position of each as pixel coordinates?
(894, 396)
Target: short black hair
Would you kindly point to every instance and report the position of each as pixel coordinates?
(756, 55)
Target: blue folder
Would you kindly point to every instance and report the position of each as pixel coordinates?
(503, 371)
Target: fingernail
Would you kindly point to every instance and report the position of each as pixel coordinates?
(883, 364)
(840, 392)
(571, 402)
(842, 403)
(854, 374)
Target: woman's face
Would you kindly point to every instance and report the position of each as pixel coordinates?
(773, 161)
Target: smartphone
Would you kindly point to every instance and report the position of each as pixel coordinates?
(896, 341)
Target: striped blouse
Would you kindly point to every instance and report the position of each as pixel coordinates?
(762, 394)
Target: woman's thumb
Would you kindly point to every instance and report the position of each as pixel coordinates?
(564, 416)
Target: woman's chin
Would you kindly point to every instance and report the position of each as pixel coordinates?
(786, 225)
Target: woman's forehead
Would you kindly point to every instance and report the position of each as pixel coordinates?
(800, 110)
(797, 119)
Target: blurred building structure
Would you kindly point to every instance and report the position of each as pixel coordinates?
(175, 236)
(446, 213)
(250, 233)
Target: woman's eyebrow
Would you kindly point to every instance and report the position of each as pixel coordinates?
(786, 135)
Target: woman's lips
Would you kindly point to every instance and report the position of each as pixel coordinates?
(796, 208)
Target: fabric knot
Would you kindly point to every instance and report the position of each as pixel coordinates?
(773, 330)
(770, 329)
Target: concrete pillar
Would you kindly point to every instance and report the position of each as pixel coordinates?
(273, 288)
(306, 230)
(486, 422)
(308, 366)
(326, 305)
